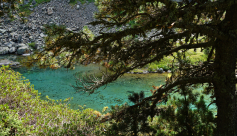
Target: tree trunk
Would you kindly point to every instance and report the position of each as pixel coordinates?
(224, 85)
(224, 78)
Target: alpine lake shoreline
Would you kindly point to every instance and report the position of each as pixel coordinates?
(67, 118)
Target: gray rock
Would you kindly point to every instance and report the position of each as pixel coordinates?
(42, 35)
(8, 62)
(23, 50)
(10, 29)
(78, 7)
(2, 31)
(160, 70)
(75, 29)
(20, 45)
(20, 27)
(25, 2)
(4, 50)
(19, 39)
(15, 64)
(50, 10)
(34, 28)
(13, 34)
(26, 54)
(42, 27)
(8, 44)
(69, 29)
(31, 38)
(33, 2)
(12, 50)
(43, 9)
(145, 72)
(51, 23)
(37, 45)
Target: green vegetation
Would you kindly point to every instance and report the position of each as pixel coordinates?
(185, 116)
(25, 11)
(9, 122)
(22, 112)
(165, 63)
(32, 45)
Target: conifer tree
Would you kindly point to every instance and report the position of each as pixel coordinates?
(183, 117)
(186, 22)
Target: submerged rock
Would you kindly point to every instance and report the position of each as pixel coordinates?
(9, 62)
(130, 92)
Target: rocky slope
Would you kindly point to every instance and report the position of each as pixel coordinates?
(15, 36)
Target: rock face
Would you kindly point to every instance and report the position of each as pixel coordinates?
(15, 36)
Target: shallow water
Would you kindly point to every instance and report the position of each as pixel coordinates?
(57, 85)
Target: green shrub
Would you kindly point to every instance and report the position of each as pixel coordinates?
(40, 117)
(42, 1)
(152, 67)
(9, 122)
(32, 45)
(206, 51)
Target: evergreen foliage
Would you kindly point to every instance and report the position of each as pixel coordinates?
(174, 22)
(214, 21)
(186, 121)
(184, 117)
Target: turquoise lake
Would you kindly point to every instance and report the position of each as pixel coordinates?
(57, 85)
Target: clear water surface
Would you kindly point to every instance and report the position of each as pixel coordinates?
(57, 85)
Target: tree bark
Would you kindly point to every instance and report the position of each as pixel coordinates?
(224, 85)
(224, 78)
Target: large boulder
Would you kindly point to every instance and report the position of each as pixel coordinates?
(8, 44)
(4, 50)
(23, 50)
(20, 45)
(12, 50)
(160, 70)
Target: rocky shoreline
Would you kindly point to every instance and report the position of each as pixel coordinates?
(16, 36)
